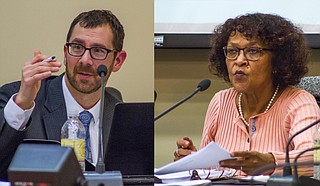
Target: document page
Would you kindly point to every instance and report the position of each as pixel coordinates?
(207, 157)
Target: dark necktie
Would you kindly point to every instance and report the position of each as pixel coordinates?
(85, 117)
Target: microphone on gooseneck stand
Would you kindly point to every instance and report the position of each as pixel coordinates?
(287, 171)
(303, 180)
(285, 181)
(155, 95)
(100, 166)
(294, 180)
(287, 178)
(101, 176)
(202, 86)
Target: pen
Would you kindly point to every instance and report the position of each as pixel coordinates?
(49, 59)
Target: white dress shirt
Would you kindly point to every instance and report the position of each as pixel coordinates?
(72, 104)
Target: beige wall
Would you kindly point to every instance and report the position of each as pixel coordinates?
(42, 25)
(177, 73)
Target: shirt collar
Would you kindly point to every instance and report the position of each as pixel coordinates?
(72, 104)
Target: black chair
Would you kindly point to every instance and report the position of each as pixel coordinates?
(312, 85)
(115, 92)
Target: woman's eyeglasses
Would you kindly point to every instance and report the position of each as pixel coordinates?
(251, 53)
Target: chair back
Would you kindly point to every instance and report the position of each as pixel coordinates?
(312, 85)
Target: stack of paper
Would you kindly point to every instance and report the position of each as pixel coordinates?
(207, 157)
(179, 172)
(187, 183)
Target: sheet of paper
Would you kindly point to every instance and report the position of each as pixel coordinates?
(186, 183)
(2, 183)
(202, 173)
(205, 158)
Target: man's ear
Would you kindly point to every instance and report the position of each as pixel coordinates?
(119, 60)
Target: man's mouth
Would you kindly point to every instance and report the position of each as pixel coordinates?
(85, 73)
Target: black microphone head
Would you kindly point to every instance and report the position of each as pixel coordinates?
(102, 69)
(204, 85)
(155, 95)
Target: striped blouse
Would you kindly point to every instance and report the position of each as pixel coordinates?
(293, 110)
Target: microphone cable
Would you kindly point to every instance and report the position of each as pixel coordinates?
(202, 86)
(296, 158)
(287, 171)
(264, 168)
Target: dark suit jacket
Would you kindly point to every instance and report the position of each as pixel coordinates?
(46, 120)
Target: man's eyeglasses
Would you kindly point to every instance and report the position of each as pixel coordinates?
(99, 53)
(251, 53)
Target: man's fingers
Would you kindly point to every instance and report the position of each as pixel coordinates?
(36, 52)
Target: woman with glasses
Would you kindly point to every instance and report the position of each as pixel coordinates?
(262, 56)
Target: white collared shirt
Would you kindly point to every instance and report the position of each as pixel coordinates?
(71, 104)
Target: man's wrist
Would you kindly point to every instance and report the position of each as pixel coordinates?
(24, 105)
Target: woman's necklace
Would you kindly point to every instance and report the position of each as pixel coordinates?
(268, 107)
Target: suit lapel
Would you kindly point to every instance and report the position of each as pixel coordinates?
(56, 113)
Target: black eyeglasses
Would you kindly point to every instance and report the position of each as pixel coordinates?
(251, 53)
(99, 53)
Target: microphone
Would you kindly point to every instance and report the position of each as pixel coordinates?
(202, 86)
(101, 176)
(287, 171)
(100, 166)
(289, 180)
(102, 71)
(155, 95)
(278, 180)
(307, 179)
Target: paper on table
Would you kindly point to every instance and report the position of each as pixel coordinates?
(187, 183)
(2, 183)
(186, 175)
(207, 157)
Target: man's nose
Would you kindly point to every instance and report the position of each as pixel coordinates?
(86, 58)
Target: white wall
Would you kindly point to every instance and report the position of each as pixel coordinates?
(201, 16)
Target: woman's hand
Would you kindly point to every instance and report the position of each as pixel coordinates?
(185, 147)
(249, 161)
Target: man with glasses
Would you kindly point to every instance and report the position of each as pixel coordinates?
(37, 106)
